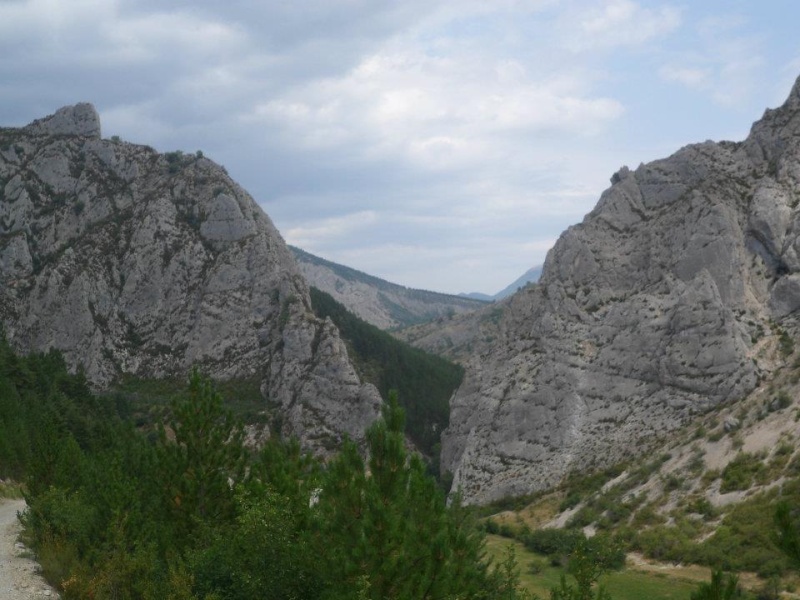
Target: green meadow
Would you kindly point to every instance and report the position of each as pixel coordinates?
(628, 584)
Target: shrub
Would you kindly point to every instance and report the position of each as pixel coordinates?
(672, 482)
(786, 344)
(647, 516)
(739, 473)
(490, 526)
(585, 516)
(553, 541)
(781, 401)
(571, 501)
(701, 506)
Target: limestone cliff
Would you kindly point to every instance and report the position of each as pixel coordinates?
(647, 313)
(131, 261)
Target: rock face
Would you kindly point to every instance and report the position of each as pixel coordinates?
(381, 303)
(647, 313)
(131, 261)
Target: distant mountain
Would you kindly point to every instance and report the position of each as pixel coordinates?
(530, 276)
(478, 296)
(377, 301)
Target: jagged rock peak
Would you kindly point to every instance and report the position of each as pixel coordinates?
(80, 119)
(794, 96)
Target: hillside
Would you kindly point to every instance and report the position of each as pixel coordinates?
(135, 263)
(706, 495)
(384, 304)
(648, 314)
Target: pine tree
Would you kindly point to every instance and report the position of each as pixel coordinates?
(206, 457)
(721, 587)
(387, 530)
(788, 533)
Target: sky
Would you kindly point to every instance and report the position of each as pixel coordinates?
(437, 144)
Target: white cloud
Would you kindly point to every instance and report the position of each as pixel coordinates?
(315, 233)
(694, 77)
(167, 35)
(434, 111)
(616, 23)
(724, 62)
(98, 32)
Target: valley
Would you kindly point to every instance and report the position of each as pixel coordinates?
(642, 392)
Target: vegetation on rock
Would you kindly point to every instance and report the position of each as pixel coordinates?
(424, 382)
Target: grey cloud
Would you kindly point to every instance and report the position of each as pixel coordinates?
(403, 135)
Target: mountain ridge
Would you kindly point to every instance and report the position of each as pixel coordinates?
(377, 301)
(131, 261)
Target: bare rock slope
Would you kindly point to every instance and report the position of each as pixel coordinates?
(647, 314)
(131, 261)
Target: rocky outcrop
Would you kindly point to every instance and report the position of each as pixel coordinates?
(381, 303)
(647, 313)
(131, 261)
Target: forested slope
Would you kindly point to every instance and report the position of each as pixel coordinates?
(190, 513)
(424, 382)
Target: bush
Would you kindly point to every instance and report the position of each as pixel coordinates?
(536, 566)
(585, 516)
(666, 543)
(786, 344)
(560, 542)
(701, 506)
(258, 556)
(739, 473)
(571, 501)
(647, 516)
(490, 526)
(744, 541)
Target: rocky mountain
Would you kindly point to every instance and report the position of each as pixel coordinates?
(650, 312)
(376, 301)
(530, 276)
(131, 261)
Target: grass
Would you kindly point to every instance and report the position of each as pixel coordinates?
(628, 584)
(10, 489)
(535, 514)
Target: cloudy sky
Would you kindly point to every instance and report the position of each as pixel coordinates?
(438, 144)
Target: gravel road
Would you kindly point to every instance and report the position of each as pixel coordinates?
(18, 575)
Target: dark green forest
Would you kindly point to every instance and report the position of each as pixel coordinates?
(189, 512)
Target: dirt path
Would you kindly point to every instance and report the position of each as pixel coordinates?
(18, 573)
